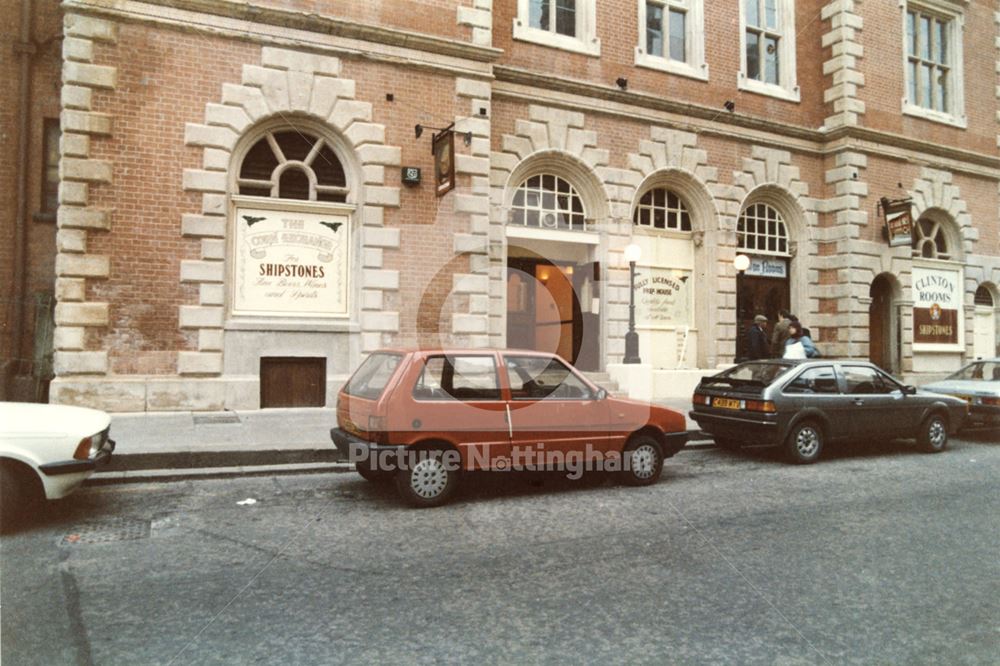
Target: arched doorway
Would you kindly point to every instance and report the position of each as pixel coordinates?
(764, 288)
(882, 325)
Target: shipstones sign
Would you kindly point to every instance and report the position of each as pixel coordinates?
(662, 297)
(290, 263)
(937, 300)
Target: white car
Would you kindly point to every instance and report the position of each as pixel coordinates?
(47, 451)
(978, 383)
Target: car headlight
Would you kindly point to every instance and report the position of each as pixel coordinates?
(89, 447)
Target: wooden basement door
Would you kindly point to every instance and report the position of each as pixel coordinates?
(288, 381)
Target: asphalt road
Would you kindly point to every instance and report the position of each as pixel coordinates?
(877, 554)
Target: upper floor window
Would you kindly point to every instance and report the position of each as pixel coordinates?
(930, 240)
(293, 164)
(933, 34)
(565, 24)
(672, 37)
(768, 48)
(660, 208)
(548, 202)
(762, 230)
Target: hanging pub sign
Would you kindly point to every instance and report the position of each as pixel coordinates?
(291, 263)
(663, 297)
(443, 147)
(898, 221)
(937, 301)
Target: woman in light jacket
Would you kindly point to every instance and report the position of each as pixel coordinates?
(796, 336)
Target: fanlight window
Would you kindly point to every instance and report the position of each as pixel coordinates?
(929, 240)
(548, 202)
(761, 229)
(660, 208)
(293, 164)
(983, 296)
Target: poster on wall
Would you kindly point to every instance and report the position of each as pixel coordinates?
(662, 297)
(290, 263)
(937, 305)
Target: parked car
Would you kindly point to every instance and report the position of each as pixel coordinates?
(978, 383)
(47, 451)
(424, 417)
(802, 405)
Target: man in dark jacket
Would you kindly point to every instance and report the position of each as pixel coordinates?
(757, 339)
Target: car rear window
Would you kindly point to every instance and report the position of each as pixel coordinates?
(759, 373)
(985, 370)
(371, 378)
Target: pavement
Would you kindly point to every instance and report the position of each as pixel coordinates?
(177, 445)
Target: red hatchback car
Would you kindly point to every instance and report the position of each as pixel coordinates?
(424, 417)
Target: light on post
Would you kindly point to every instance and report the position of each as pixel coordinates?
(632, 254)
(741, 262)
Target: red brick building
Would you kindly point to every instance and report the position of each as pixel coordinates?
(212, 203)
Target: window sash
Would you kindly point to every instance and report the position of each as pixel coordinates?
(928, 46)
(558, 16)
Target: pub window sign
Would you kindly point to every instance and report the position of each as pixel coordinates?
(291, 263)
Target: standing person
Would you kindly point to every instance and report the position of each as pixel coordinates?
(780, 334)
(757, 339)
(798, 337)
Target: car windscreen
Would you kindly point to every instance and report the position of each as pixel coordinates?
(370, 379)
(984, 370)
(757, 373)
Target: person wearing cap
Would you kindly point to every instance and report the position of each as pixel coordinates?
(757, 338)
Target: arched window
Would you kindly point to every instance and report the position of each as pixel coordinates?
(660, 208)
(548, 202)
(293, 164)
(983, 296)
(929, 240)
(762, 230)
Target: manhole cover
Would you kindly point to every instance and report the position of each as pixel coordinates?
(211, 419)
(107, 531)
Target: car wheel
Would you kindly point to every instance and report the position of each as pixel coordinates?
(374, 475)
(804, 443)
(429, 481)
(729, 444)
(18, 496)
(933, 435)
(642, 461)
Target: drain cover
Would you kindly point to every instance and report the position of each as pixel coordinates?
(107, 531)
(210, 419)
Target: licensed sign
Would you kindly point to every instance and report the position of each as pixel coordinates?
(937, 300)
(662, 297)
(291, 263)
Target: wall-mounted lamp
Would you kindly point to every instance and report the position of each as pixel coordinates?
(741, 262)
(730, 105)
(622, 82)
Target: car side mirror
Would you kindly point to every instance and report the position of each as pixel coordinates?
(602, 394)
(909, 390)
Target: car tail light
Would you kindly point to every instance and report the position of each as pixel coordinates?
(377, 429)
(701, 399)
(760, 406)
(992, 402)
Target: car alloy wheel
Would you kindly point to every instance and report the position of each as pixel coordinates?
(643, 459)
(429, 478)
(933, 434)
(805, 442)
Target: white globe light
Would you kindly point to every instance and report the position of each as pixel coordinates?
(632, 253)
(741, 262)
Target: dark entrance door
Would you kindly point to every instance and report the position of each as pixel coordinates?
(758, 295)
(292, 382)
(544, 312)
(880, 324)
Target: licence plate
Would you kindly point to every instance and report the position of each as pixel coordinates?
(725, 403)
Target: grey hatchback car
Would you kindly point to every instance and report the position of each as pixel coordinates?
(801, 405)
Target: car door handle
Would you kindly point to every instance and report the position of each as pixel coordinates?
(859, 402)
